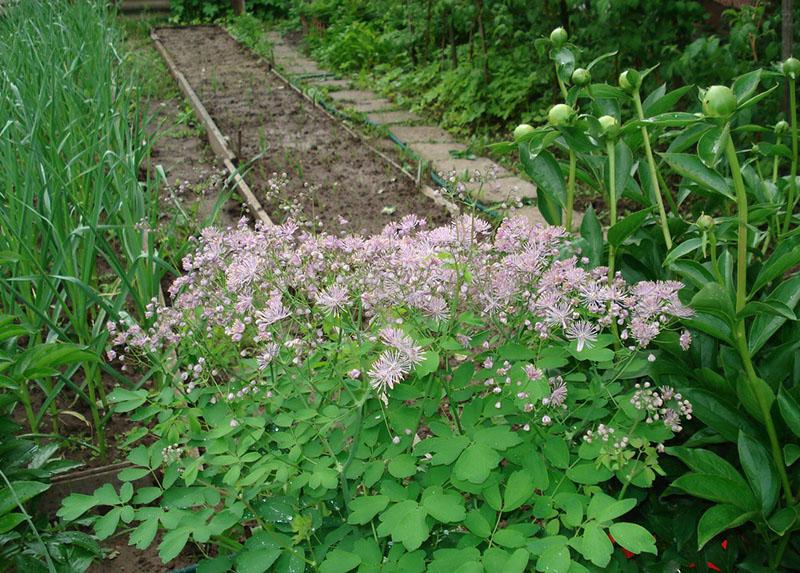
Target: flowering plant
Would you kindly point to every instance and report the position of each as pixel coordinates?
(418, 400)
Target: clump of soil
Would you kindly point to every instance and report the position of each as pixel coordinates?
(332, 176)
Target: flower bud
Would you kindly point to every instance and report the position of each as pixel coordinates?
(781, 127)
(630, 81)
(609, 125)
(791, 67)
(560, 115)
(719, 101)
(522, 130)
(581, 77)
(705, 223)
(559, 37)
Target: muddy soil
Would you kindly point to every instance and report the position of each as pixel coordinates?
(333, 176)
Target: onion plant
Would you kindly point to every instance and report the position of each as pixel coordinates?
(74, 215)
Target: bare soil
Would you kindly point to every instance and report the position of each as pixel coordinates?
(333, 175)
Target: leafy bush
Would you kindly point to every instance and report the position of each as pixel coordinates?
(723, 219)
(27, 542)
(420, 398)
(209, 10)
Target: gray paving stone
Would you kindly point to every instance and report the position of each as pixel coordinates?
(446, 166)
(531, 213)
(329, 82)
(393, 117)
(353, 96)
(436, 151)
(501, 190)
(421, 134)
(378, 104)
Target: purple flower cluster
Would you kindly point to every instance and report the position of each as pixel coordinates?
(278, 293)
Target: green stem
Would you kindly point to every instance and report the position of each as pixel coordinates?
(778, 557)
(741, 331)
(775, 163)
(101, 434)
(651, 163)
(561, 85)
(25, 398)
(712, 238)
(793, 171)
(612, 208)
(612, 203)
(351, 456)
(741, 205)
(573, 163)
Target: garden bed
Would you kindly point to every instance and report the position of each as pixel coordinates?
(332, 175)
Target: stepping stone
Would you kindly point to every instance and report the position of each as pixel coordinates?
(329, 83)
(392, 117)
(462, 167)
(353, 96)
(378, 104)
(421, 134)
(436, 151)
(502, 190)
(531, 213)
(301, 70)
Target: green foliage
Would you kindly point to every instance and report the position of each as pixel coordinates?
(27, 541)
(714, 197)
(498, 449)
(75, 218)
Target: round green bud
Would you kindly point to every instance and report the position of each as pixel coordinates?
(581, 77)
(609, 125)
(630, 81)
(705, 223)
(781, 127)
(522, 130)
(791, 67)
(719, 101)
(560, 115)
(559, 37)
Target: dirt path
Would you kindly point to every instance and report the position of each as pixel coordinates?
(333, 181)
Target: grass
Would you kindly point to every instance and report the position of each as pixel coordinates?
(75, 218)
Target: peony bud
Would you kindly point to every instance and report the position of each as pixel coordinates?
(522, 130)
(559, 37)
(630, 81)
(560, 115)
(791, 67)
(719, 101)
(581, 77)
(609, 125)
(705, 223)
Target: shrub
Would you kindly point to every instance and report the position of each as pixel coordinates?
(420, 398)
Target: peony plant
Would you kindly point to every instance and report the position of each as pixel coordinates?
(456, 398)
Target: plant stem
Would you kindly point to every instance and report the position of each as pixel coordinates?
(351, 456)
(570, 189)
(741, 244)
(612, 203)
(25, 398)
(793, 170)
(101, 435)
(651, 163)
(561, 85)
(741, 331)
